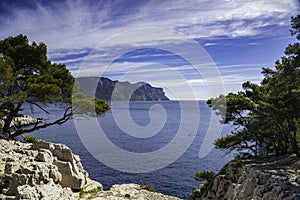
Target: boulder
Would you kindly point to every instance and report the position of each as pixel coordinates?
(46, 191)
(70, 177)
(26, 169)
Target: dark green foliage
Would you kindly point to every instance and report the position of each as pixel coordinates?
(30, 139)
(208, 176)
(295, 23)
(147, 187)
(27, 76)
(267, 116)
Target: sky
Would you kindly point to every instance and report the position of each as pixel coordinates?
(193, 49)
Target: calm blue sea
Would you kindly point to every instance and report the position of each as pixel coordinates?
(175, 179)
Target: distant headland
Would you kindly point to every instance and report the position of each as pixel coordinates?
(104, 88)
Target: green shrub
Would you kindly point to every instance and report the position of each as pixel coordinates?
(209, 176)
(147, 187)
(90, 193)
(30, 139)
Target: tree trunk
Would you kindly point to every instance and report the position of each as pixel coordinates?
(295, 145)
(9, 119)
(7, 122)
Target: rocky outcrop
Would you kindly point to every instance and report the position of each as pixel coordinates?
(45, 191)
(41, 171)
(128, 191)
(23, 121)
(263, 179)
(106, 89)
(51, 171)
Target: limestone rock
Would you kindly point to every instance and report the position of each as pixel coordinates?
(266, 179)
(127, 191)
(23, 121)
(43, 145)
(25, 168)
(92, 185)
(70, 177)
(44, 155)
(68, 164)
(44, 192)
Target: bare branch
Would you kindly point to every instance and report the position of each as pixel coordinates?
(39, 106)
(67, 115)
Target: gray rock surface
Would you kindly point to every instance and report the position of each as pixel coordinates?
(260, 179)
(44, 192)
(41, 171)
(128, 191)
(23, 121)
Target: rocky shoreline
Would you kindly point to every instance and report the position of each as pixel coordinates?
(51, 171)
(273, 178)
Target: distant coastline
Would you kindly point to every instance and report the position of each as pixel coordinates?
(107, 89)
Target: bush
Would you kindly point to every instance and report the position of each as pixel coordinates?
(209, 176)
(90, 193)
(147, 187)
(31, 139)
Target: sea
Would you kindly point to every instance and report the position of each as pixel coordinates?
(158, 143)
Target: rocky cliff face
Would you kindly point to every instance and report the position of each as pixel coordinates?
(264, 179)
(120, 91)
(50, 171)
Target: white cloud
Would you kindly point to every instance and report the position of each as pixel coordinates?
(80, 24)
(72, 29)
(63, 53)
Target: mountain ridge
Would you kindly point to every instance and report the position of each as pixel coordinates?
(107, 89)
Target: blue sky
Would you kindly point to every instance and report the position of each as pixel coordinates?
(155, 41)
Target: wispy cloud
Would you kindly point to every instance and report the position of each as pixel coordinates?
(80, 24)
(73, 31)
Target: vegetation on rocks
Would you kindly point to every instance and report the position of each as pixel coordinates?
(207, 176)
(92, 193)
(30, 139)
(147, 187)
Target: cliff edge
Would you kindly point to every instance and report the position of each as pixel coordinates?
(263, 179)
(49, 171)
(107, 89)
